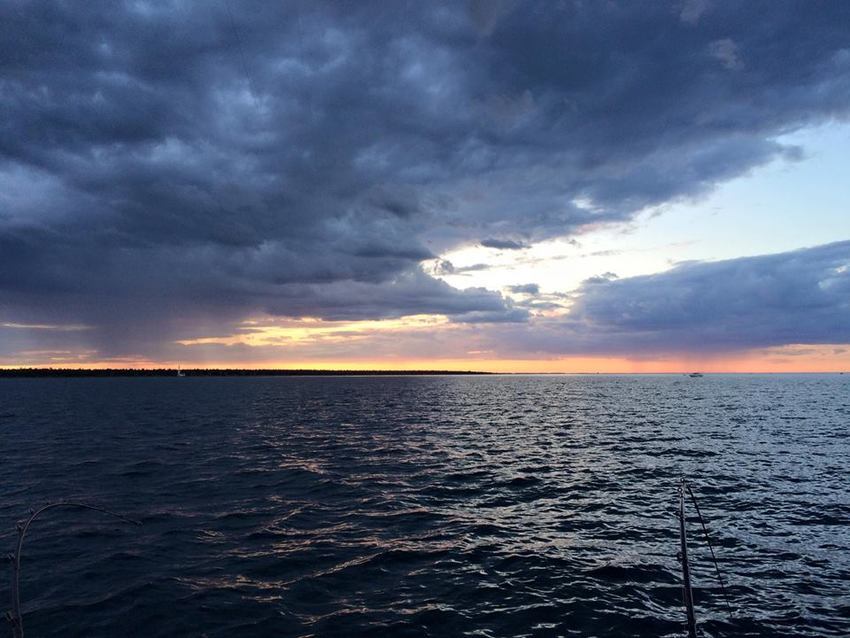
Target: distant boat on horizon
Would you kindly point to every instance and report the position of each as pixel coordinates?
(696, 374)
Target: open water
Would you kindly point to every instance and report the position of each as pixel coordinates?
(427, 506)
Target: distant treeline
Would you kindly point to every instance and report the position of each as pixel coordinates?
(219, 372)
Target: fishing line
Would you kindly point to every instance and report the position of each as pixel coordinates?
(711, 549)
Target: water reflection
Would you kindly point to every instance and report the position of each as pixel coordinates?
(490, 506)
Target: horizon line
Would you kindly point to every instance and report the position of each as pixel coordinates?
(64, 371)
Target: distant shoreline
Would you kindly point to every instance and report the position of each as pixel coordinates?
(105, 373)
(19, 373)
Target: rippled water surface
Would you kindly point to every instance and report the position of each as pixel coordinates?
(427, 506)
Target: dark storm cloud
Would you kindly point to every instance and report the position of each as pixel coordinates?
(167, 164)
(799, 297)
(604, 278)
(410, 293)
(503, 244)
(525, 289)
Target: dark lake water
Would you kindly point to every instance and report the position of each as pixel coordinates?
(427, 506)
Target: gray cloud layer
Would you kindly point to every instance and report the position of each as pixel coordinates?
(797, 297)
(800, 297)
(166, 164)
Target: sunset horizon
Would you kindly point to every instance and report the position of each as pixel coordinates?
(478, 318)
(785, 361)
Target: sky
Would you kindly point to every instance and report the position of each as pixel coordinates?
(565, 186)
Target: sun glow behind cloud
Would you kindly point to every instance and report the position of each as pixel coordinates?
(558, 266)
(311, 330)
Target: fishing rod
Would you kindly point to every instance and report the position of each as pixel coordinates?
(710, 548)
(14, 616)
(687, 591)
